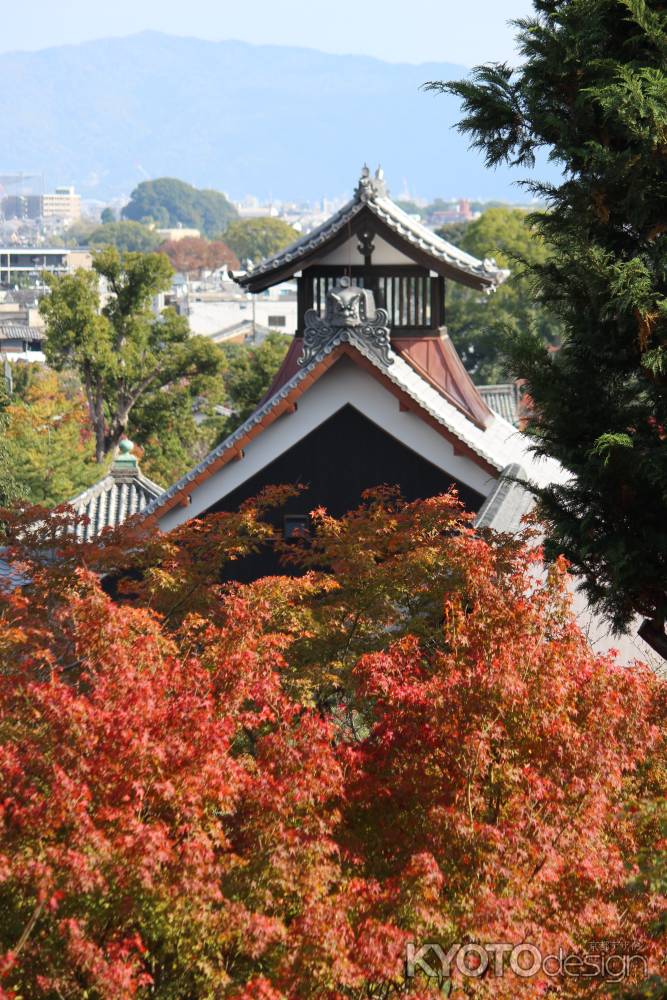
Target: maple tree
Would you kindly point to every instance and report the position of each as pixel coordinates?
(194, 254)
(267, 790)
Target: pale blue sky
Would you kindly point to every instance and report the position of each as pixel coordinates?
(459, 31)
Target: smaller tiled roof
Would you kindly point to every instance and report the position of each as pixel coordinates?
(15, 331)
(507, 503)
(121, 494)
(10, 579)
(371, 196)
(503, 400)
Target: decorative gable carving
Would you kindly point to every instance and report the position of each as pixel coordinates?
(351, 316)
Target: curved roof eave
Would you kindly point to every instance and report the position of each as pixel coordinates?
(443, 257)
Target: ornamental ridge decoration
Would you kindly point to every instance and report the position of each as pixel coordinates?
(370, 187)
(350, 316)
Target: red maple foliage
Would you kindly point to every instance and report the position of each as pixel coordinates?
(193, 254)
(269, 790)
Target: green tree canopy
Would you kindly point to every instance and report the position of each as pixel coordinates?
(170, 202)
(482, 325)
(177, 426)
(107, 215)
(10, 488)
(48, 437)
(125, 236)
(122, 351)
(592, 90)
(249, 373)
(78, 234)
(254, 239)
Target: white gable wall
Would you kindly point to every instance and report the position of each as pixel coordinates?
(348, 254)
(344, 383)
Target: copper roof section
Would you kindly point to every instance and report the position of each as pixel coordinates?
(434, 358)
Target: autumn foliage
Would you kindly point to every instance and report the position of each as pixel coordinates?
(266, 791)
(193, 254)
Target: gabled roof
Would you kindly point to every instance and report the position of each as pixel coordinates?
(492, 447)
(122, 493)
(434, 358)
(502, 399)
(371, 200)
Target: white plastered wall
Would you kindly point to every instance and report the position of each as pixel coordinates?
(348, 254)
(344, 383)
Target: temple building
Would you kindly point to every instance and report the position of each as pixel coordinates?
(372, 390)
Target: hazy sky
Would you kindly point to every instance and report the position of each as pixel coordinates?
(461, 31)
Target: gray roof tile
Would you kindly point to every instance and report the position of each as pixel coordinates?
(112, 500)
(371, 194)
(15, 331)
(502, 399)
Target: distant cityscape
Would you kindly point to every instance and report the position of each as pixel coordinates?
(30, 216)
(36, 235)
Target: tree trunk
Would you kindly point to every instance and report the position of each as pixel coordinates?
(100, 437)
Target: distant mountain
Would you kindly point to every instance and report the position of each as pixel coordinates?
(267, 120)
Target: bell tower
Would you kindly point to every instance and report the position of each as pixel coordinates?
(372, 253)
(371, 392)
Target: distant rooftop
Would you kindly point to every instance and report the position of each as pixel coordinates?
(119, 495)
(16, 331)
(503, 400)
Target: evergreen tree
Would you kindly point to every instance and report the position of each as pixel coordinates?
(170, 202)
(479, 324)
(592, 91)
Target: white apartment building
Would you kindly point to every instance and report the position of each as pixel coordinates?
(63, 203)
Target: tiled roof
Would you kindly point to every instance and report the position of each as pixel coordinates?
(245, 327)
(502, 399)
(371, 194)
(507, 504)
(497, 445)
(15, 331)
(10, 579)
(123, 492)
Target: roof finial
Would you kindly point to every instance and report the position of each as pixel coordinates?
(125, 462)
(370, 187)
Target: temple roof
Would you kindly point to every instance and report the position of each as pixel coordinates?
(434, 358)
(503, 399)
(371, 198)
(122, 493)
(493, 446)
(507, 504)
